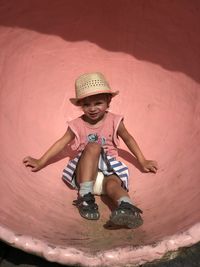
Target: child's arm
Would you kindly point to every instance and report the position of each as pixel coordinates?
(147, 165)
(58, 146)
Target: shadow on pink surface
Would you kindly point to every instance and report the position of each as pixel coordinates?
(154, 32)
(149, 51)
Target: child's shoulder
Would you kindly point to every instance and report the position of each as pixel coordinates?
(115, 116)
(75, 121)
(114, 119)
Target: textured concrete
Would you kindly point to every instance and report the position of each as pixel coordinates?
(149, 51)
(186, 257)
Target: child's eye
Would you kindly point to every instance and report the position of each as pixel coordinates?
(85, 105)
(98, 103)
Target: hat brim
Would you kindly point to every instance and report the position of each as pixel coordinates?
(76, 101)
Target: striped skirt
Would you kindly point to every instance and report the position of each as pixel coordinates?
(107, 167)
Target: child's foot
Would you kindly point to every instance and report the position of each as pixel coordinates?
(87, 207)
(126, 215)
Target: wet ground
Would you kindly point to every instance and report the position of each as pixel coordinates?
(11, 257)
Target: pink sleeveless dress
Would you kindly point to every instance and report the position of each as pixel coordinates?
(106, 136)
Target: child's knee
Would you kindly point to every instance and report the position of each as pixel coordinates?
(111, 184)
(93, 149)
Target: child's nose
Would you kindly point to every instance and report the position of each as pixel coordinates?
(92, 108)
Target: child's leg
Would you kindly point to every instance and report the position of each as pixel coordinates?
(86, 172)
(87, 168)
(113, 189)
(126, 214)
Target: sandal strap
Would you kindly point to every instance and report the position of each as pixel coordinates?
(89, 199)
(127, 206)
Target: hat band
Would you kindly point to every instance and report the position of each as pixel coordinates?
(95, 90)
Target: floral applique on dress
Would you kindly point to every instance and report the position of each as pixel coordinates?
(94, 138)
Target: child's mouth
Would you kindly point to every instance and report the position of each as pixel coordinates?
(93, 115)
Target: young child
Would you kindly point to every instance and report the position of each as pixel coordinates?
(96, 170)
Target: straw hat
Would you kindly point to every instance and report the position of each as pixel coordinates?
(91, 84)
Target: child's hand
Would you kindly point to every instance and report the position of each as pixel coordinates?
(149, 166)
(34, 164)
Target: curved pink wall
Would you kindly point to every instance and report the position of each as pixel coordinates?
(149, 50)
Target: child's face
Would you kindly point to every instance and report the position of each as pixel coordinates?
(94, 107)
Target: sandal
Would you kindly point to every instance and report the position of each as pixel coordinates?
(87, 207)
(126, 215)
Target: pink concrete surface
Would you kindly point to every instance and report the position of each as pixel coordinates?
(149, 50)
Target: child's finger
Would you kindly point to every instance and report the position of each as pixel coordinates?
(153, 169)
(28, 164)
(146, 169)
(26, 159)
(150, 168)
(155, 165)
(34, 169)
